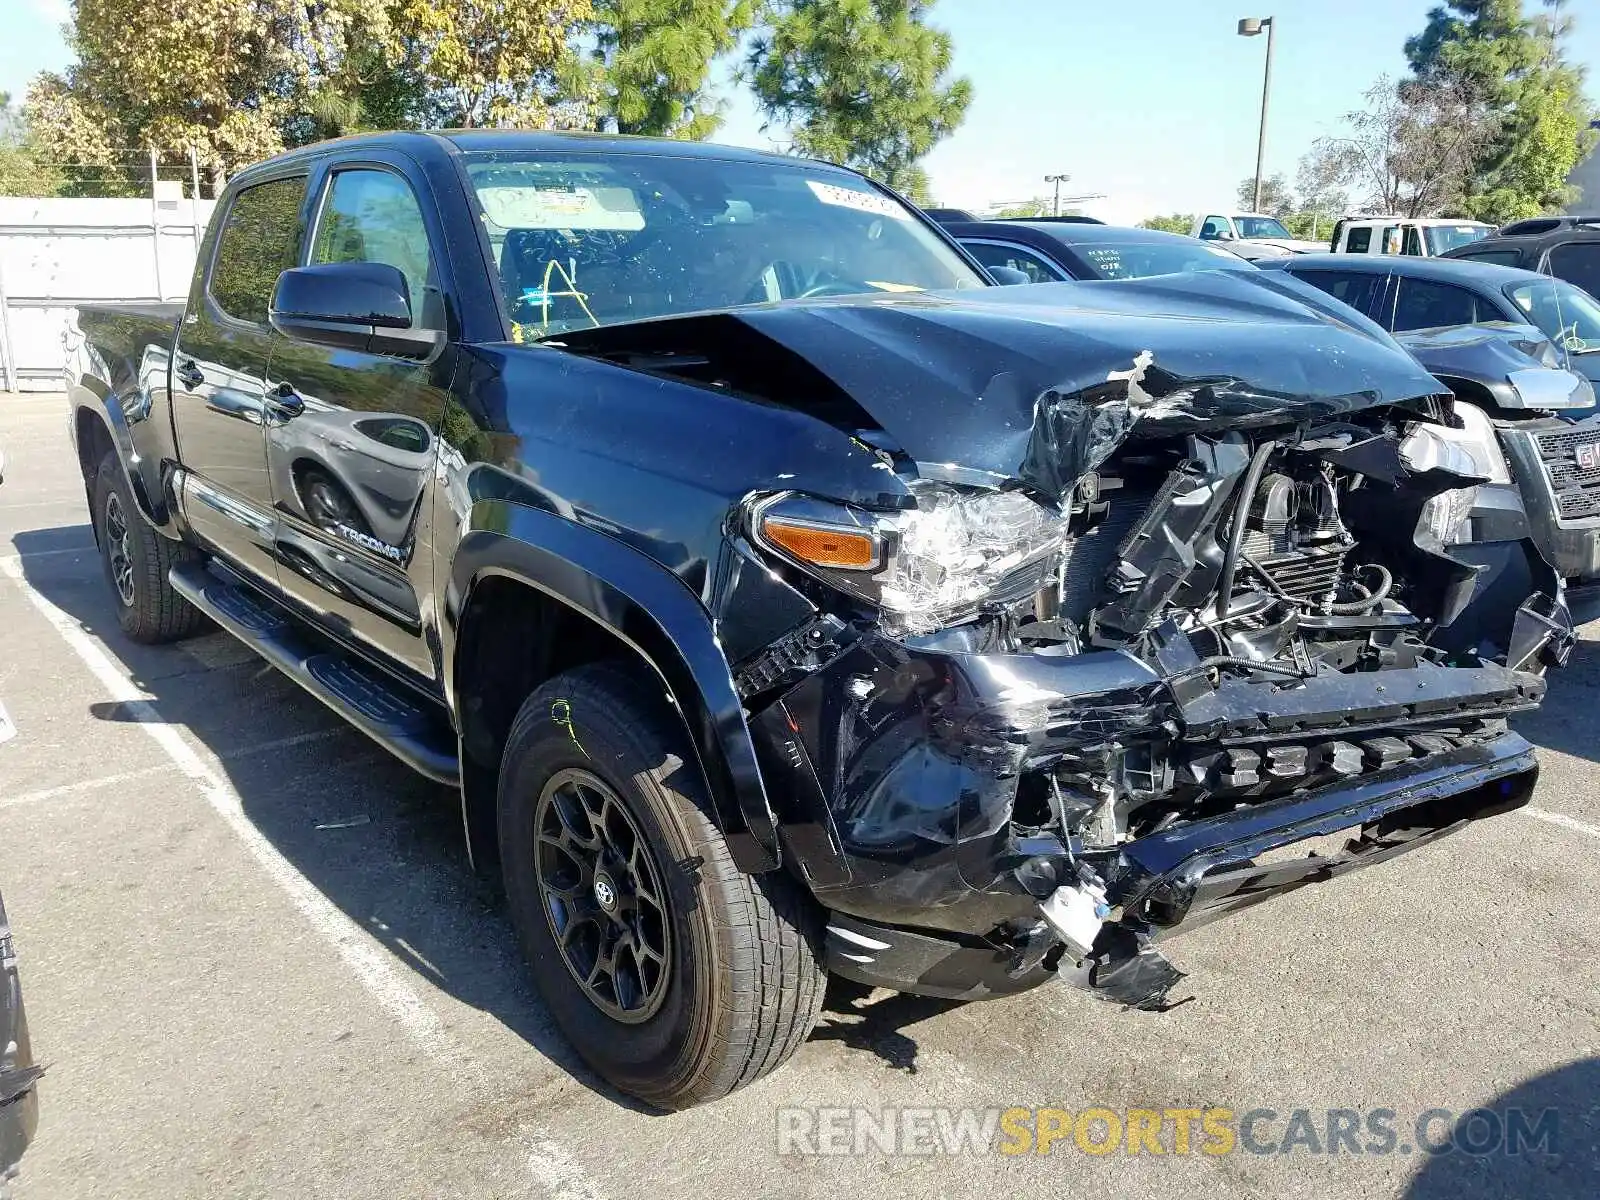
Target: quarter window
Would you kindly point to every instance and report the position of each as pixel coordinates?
(373, 217)
(259, 241)
(1359, 240)
(1352, 287)
(993, 254)
(1579, 263)
(1423, 304)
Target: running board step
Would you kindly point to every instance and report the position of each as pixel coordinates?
(385, 711)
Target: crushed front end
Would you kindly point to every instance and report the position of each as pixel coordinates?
(1030, 726)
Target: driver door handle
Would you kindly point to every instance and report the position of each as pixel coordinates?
(285, 402)
(189, 375)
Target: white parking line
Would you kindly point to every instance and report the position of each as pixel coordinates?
(368, 961)
(1561, 819)
(85, 785)
(549, 1164)
(17, 558)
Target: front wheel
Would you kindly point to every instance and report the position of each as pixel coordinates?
(676, 976)
(136, 560)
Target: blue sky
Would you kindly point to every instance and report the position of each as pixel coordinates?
(1153, 102)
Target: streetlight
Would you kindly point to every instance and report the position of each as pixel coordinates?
(1058, 180)
(1250, 27)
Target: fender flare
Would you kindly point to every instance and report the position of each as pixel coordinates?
(651, 610)
(142, 474)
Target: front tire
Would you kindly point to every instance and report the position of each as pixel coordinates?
(676, 976)
(136, 560)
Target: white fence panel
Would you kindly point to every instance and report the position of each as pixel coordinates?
(56, 253)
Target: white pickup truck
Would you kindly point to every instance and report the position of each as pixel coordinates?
(1422, 236)
(1251, 230)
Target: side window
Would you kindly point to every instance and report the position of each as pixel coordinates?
(1352, 287)
(993, 254)
(1579, 263)
(1413, 241)
(1426, 305)
(259, 241)
(1391, 240)
(1503, 258)
(1215, 227)
(372, 216)
(1360, 240)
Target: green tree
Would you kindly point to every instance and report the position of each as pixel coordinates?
(1411, 151)
(24, 169)
(649, 68)
(1276, 196)
(485, 62)
(1517, 66)
(865, 83)
(1176, 223)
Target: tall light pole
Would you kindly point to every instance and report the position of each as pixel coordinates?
(1058, 180)
(1249, 27)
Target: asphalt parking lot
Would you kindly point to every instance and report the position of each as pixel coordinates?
(257, 963)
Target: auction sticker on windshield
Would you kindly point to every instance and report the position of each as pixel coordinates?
(867, 202)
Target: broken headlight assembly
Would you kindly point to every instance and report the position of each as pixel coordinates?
(1474, 449)
(924, 568)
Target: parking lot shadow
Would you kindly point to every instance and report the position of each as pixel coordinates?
(1568, 720)
(1540, 1139)
(380, 842)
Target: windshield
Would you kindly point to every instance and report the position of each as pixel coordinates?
(1448, 237)
(1135, 260)
(587, 240)
(1567, 314)
(1261, 227)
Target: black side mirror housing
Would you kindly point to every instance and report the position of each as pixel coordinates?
(352, 306)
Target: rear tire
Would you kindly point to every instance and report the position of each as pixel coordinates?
(725, 981)
(136, 560)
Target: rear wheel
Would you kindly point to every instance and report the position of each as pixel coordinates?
(136, 560)
(678, 977)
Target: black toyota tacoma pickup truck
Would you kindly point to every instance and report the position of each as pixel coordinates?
(783, 598)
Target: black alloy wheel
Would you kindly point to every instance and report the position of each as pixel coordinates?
(602, 896)
(118, 550)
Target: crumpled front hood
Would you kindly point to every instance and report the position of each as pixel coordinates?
(1501, 355)
(1043, 382)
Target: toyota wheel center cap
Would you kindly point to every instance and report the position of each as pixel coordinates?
(605, 892)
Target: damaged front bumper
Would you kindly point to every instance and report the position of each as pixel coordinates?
(1167, 883)
(902, 773)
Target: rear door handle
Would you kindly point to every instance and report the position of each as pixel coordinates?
(189, 375)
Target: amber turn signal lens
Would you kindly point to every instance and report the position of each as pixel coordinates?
(841, 549)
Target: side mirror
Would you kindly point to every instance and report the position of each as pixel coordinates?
(1009, 276)
(351, 306)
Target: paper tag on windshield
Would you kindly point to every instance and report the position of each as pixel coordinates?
(867, 202)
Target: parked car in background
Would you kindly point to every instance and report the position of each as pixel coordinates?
(1492, 334)
(1402, 293)
(786, 599)
(1050, 251)
(1567, 247)
(1424, 237)
(1253, 229)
